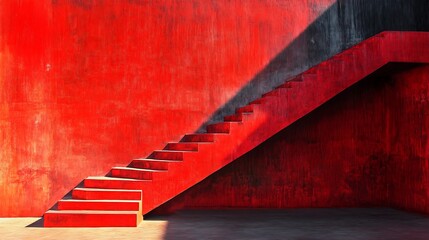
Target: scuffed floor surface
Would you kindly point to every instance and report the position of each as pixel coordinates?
(300, 224)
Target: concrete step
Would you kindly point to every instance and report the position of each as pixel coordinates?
(154, 164)
(106, 194)
(233, 118)
(167, 155)
(89, 218)
(193, 147)
(222, 127)
(134, 173)
(108, 205)
(113, 183)
(199, 137)
(245, 109)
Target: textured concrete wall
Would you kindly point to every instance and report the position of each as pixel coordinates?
(408, 140)
(367, 147)
(86, 85)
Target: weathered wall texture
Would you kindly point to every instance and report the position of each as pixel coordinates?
(408, 140)
(86, 85)
(366, 147)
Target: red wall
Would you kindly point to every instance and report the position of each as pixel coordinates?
(86, 85)
(367, 147)
(408, 141)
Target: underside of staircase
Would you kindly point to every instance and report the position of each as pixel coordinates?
(121, 198)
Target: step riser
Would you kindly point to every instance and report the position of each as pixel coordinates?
(91, 220)
(105, 195)
(121, 173)
(246, 109)
(260, 100)
(182, 147)
(198, 138)
(167, 155)
(219, 128)
(91, 183)
(233, 118)
(149, 165)
(112, 206)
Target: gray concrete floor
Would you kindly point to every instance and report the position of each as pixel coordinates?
(299, 224)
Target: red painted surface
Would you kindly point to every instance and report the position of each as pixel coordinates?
(94, 219)
(258, 122)
(367, 147)
(114, 205)
(106, 194)
(408, 141)
(87, 85)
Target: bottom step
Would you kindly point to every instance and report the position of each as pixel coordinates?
(78, 218)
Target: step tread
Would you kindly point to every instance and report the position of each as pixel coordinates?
(106, 190)
(183, 146)
(186, 143)
(199, 134)
(139, 169)
(220, 127)
(100, 200)
(90, 212)
(237, 117)
(170, 151)
(115, 179)
(246, 108)
(222, 124)
(219, 124)
(215, 134)
(157, 160)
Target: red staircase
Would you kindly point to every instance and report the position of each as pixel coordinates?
(122, 197)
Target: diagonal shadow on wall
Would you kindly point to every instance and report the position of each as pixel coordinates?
(344, 24)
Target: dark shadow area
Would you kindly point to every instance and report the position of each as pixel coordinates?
(36, 224)
(344, 24)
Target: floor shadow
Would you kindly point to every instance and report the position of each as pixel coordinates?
(344, 24)
(36, 224)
